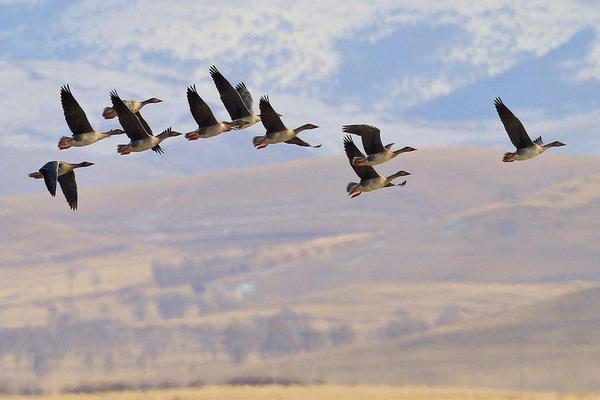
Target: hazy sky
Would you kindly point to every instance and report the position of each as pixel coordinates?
(424, 71)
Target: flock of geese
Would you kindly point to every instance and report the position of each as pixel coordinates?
(239, 104)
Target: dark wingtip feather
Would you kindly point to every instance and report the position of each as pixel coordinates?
(213, 70)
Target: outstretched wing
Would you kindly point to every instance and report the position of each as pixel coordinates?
(50, 173)
(200, 110)
(229, 96)
(370, 135)
(132, 124)
(297, 141)
(245, 95)
(363, 172)
(144, 123)
(69, 188)
(515, 129)
(74, 114)
(269, 117)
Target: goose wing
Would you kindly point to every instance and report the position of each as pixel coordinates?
(69, 188)
(370, 135)
(144, 123)
(515, 129)
(363, 172)
(297, 141)
(133, 126)
(229, 96)
(246, 96)
(50, 173)
(199, 109)
(270, 119)
(74, 114)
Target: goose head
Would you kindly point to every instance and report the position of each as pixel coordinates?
(109, 113)
(84, 164)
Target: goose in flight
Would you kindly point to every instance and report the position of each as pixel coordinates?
(377, 153)
(276, 130)
(63, 173)
(133, 105)
(237, 101)
(137, 130)
(208, 126)
(83, 133)
(369, 178)
(526, 148)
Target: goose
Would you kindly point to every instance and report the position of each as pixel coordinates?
(133, 105)
(526, 148)
(137, 130)
(377, 153)
(64, 173)
(237, 101)
(208, 126)
(369, 178)
(276, 130)
(83, 133)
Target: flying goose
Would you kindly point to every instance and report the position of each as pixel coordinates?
(64, 173)
(377, 153)
(369, 178)
(526, 148)
(133, 105)
(208, 125)
(276, 130)
(137, 130)
(83, 133)
(237, 101)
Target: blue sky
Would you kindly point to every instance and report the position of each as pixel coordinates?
(425, 72)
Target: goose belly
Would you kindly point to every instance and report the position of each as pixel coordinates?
(279, 137)
(144, 144)
(379, 158)
(528, 152)
(87, 138)
(372, 184)
(212, 130)
(247, 121)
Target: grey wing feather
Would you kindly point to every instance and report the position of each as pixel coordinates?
(69, 188)
(515, 129)
(297, 141)
(370, 135)
(246, 96)
(74, 114)
(199, 109)
(363, 172)
(269, 117)
(50, 173)
(144, 123)
(132, 125)
(229, 96)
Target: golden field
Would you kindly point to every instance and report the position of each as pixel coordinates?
(165, 282)
(321, 392)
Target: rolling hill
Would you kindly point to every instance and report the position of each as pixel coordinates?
(153, 279)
